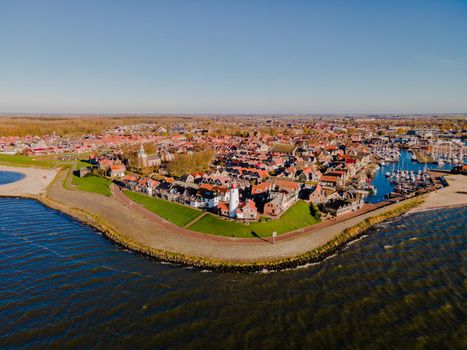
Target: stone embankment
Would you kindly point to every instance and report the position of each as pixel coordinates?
(165, 241)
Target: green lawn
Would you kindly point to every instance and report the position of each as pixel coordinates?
(92, 183)
(49, 161)
(177, 214)
(82, 164)
(19, 160)
(296, 217)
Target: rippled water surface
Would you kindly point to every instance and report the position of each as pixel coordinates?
(64, 285)
(7, 177)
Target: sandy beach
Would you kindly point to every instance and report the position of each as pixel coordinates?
(34, 182)
(454, 195)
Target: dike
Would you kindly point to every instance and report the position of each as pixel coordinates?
(316, 255)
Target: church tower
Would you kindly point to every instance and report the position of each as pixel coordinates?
(142, 158)
(233, 201)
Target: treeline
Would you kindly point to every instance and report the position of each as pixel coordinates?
(189, 163)
(69, 126)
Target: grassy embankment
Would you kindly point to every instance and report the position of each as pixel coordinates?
(315, 255)
(25, 161)
(298, 216)
(37, 161)
(89, 183)
(92, 183)
(177, 214)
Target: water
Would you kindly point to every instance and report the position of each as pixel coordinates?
(65, 285)
(7, 177)
(382, 183)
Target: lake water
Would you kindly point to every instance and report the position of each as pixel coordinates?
(65, 285)
(382, 183)
(7, 177)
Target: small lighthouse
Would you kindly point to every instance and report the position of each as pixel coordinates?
(233, 201)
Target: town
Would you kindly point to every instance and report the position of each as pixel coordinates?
(256, 168)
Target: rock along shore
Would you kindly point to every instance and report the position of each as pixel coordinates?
(138, 234)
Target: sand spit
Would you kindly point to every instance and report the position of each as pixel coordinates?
(34, 182)
(454, 195)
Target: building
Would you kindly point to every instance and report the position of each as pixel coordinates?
(339, 206)
(117, 170)
(142, 158)
(233, 201)
(247, 210)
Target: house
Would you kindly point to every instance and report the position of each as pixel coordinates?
(318, 195)
(337, 206)
(187, 178)
(286, 185)
(247, 210)
(130, 181)
(330, 180)
(82, 172)
(117, 170)
(280, 202)
(284, 149)
(210, 198)
(223, 192)
(261, 188)
(340, 206)
(105, 163)
(309, 174)
(223, 208)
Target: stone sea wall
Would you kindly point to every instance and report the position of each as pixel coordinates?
(315, 255)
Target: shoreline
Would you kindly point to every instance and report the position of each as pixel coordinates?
(453, 195)
(208, 258)
(317, 255)
(34, 182)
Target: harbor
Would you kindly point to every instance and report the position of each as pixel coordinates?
(404, 178)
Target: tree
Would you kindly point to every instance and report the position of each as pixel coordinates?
(185, 163)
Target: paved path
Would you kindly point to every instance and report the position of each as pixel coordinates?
(139, 224)
(196, 219)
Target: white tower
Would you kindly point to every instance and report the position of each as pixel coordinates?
(142, 158)
(233, 201)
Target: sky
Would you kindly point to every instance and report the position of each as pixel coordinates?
(221, 56)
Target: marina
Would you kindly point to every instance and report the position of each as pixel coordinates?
(404, 178)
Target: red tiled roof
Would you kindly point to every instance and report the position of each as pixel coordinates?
(329, 178)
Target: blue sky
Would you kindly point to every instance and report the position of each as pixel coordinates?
(235, 56)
